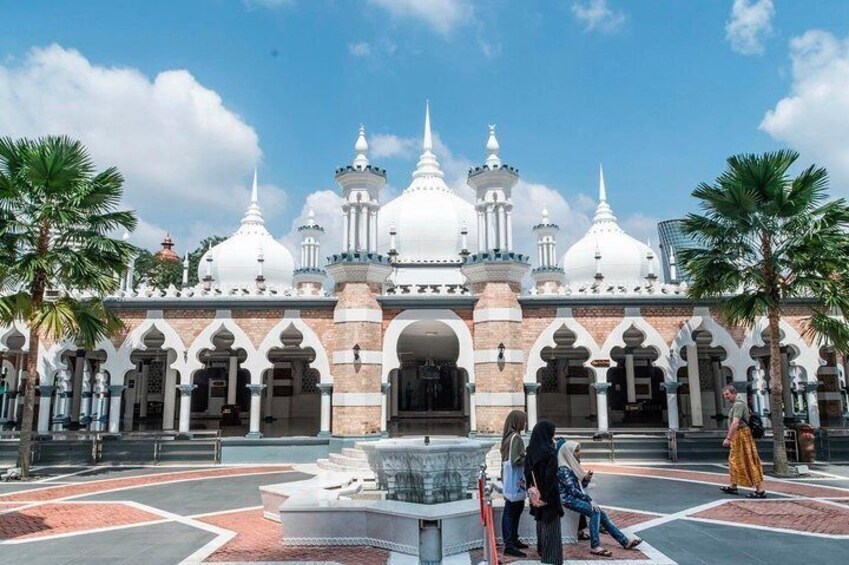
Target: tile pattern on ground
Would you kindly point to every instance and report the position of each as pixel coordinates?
(59, 492)
(51, 519)
(258, 540)
(799, 515)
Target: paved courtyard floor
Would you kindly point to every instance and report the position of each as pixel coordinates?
(171, 515)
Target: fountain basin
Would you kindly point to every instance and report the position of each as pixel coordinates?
(410, 470)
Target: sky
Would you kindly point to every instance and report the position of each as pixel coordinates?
(187, 98)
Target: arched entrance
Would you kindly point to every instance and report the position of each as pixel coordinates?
(221, 399)
(700, 401)
(150, 396)
(635, 397)
(429, 393)
(564, 395)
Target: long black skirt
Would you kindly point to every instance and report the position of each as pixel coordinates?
(550, 542)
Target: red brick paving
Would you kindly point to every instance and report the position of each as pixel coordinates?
(63, 491)
(799, 515)
(51, 519)
(796, 489)
(258, 539)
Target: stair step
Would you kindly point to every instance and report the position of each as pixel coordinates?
(344, 461)
(354, 453)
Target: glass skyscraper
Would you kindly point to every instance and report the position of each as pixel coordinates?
(673, 238)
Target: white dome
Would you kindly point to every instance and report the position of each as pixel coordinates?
(623, 259)
(428, 216)
(235, 261)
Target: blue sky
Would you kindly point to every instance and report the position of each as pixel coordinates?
(187, 97)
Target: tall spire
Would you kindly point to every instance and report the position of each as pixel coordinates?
(253, 215)
(361, 148)
(603, 212)
(427, 165)
(493, 161)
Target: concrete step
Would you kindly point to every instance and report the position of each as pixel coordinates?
(345, 461)
(354, 453)
(328, 465)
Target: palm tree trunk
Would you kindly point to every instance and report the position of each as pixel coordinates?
(25, 446)
(776, 395)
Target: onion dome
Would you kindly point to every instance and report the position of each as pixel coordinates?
(607, 253)
(167, 253)
(428, 217)
(248, 255)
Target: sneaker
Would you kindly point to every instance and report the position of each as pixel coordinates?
(522, 545)
(514, 552)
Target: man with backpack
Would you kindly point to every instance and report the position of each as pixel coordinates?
(744, 464)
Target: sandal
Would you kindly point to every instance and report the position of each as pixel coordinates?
(602, 552)
(633, 543)
(729, 490)
(583, 536)
(757, 494)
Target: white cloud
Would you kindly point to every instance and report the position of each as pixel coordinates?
(361, 49)
(442, 16)
(749, 25)
(814, 117)
(181, 151)
(597, 15)
(387, 145)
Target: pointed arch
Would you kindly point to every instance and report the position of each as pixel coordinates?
(260, 361)
(204, 341)
(121, 362)
(720, 337)
(546, 339)
(807, 356)
(652, 339)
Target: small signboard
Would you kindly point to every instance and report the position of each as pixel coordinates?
(600, 363)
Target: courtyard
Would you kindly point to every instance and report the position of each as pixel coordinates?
(207, 514)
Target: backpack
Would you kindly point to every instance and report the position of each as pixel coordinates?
(756, 425)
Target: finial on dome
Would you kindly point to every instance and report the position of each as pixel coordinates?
(126, 236)
(493, 161)
(253, 215)
(427, 165)
(311, 218)
(603, 212)
(545, 219)
(361, 149)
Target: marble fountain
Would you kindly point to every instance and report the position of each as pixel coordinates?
(416, 496)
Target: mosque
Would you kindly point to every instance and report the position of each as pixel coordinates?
(424, 319)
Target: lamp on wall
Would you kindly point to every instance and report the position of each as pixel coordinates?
(356, 352)
(501, 350)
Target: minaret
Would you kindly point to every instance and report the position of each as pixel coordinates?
(493, 184)
(548, 276)
(361, 184)
(309, 278)
(359, 273)
(495, 275)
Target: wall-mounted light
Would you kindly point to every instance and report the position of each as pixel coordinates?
(501, 349)
(356, 352)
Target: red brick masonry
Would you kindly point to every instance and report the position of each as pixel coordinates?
(52, 519)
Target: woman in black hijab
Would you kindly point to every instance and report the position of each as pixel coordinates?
(541, 472)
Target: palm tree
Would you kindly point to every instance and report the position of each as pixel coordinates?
(765, 239)
(56, 217)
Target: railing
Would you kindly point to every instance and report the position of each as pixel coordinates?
(490, 550)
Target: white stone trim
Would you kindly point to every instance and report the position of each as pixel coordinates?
(358, 315)
(357, 398)
(291, 314)
(497, 315)
(366, 357)
(500, 398)
(491, 356)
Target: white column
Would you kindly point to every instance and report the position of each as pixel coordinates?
(185, 406)
(373, 238)
(509, 230)
(142, 386)
(304, 254)
(540, 254)
(385, 388)
(502, 229)
(531, 390)
(44, 407)
(601, 404)
(671, 388)
(490, 228)
(86, 393)
(630, 382)
(813, 406)
(326, 392)
(352, 228)
(346, 230)
(473, 419)
(695, 386)
(718, 384)
(787, 384)
(169, 404)
(115, 392)
(363, 227)
(232, 379)
(256, 406)
(481, 231)
(77, 389)
(269, 393)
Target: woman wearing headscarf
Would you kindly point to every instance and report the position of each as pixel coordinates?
(512, 464)
(583, 530)
(573, 497)
(541, 472)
